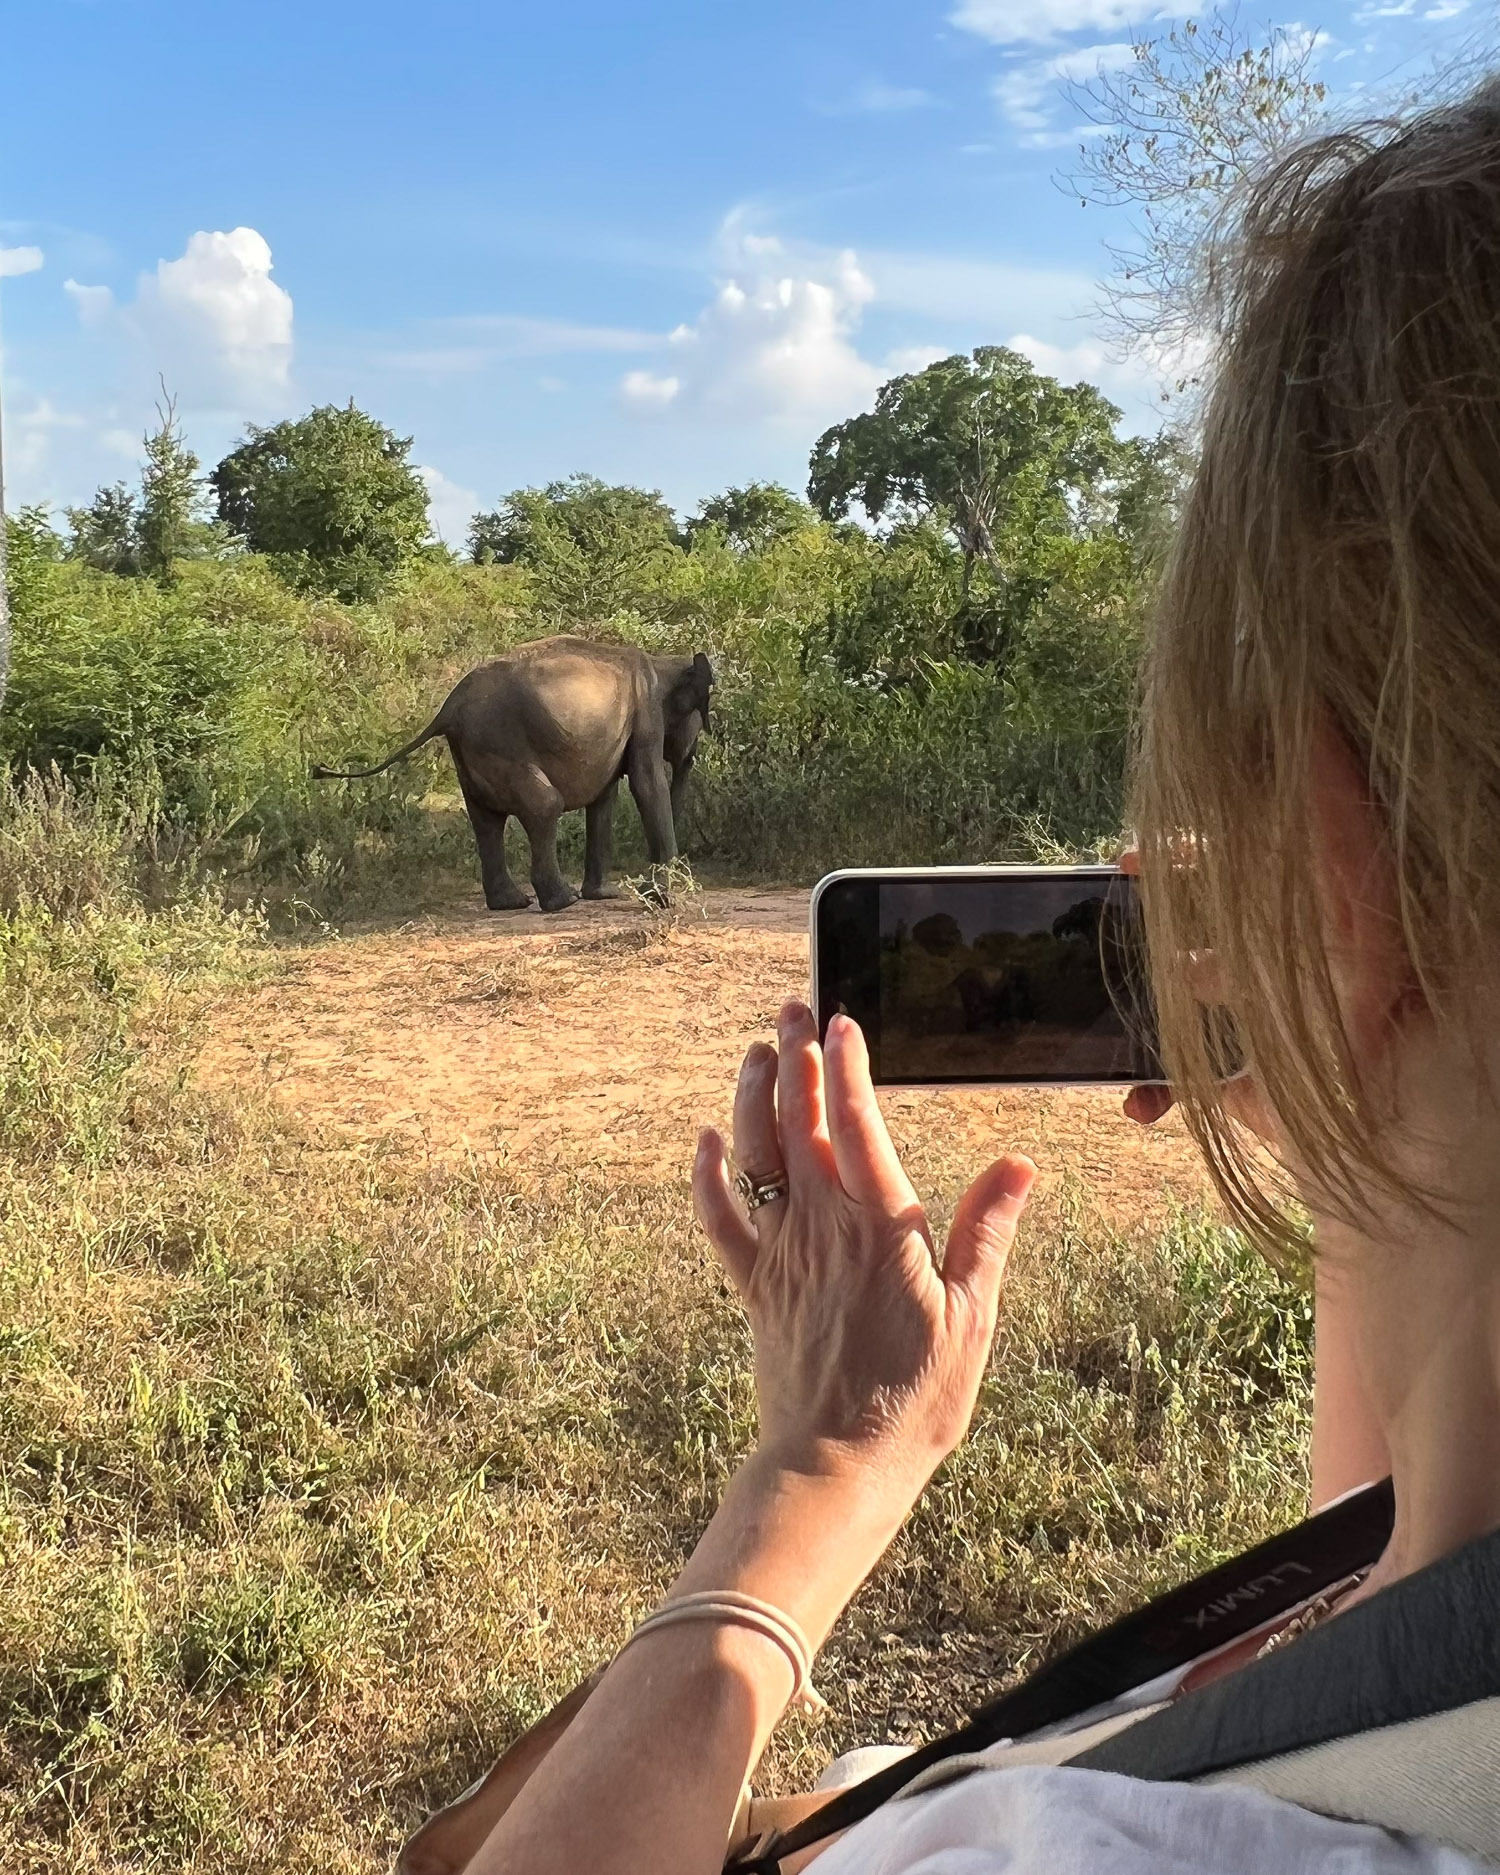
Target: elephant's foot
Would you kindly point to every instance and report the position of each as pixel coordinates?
(513, 900)
(600, 891)
(556, 898)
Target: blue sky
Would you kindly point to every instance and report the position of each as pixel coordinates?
(486, 223)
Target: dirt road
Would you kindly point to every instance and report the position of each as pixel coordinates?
(594, 1038)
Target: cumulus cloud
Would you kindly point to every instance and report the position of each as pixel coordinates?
(449, 507)
(213, 320)
(884, 99)
(218, 303)
(15, 260)
(95, 304)
(29, 432)
(777, 340)
(1043, 22)
(1138, 381)
(1028, 92)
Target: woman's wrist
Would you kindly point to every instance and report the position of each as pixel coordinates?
(798, 1532)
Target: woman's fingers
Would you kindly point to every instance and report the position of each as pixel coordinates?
(719, 1214)
(757, 1140)
(867, 1164)
(802, 1121)
(984, 1228)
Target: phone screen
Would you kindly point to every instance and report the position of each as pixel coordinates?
(1031, 976)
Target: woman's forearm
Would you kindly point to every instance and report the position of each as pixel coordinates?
(649, 1774)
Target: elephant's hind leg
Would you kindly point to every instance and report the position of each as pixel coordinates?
(538, 806)
(598, 844)
(501, 893)
(553, 893)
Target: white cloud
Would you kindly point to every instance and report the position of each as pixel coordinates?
(1086, 362)
(988, 296)
(1404, 9)
(16, 260)
(94, 303)
(776, 341)
(1137, 382)
(213, 322)
(646, 390)
(882, 98)
(449, 507)
(1043, 22)
(1029, 91)
(216, 316)
(516, 335)
(29, 432)
(907, 358)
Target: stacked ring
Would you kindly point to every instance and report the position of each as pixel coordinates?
(759, 1191)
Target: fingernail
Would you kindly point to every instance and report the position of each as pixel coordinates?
(794, 1013)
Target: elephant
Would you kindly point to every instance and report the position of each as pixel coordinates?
(991, 998)
(554, 725)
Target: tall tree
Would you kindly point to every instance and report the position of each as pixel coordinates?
(170, 522)
(752, 517)
(149, 531)
(591, 544)
(969, 440)
(331, 497)
(1186, 121)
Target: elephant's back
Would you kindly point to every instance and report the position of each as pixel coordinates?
(560, 694)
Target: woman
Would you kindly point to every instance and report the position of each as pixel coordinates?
(1318, 799)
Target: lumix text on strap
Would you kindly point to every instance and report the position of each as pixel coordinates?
(1175, 1629)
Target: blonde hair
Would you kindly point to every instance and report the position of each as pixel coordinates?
(1338, 566)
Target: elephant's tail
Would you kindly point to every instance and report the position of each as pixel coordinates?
(435, 728)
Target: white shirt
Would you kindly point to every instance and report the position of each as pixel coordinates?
(1050, 1820)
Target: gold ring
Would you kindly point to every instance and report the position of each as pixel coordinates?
(759, 1191)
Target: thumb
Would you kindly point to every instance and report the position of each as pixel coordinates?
(984, 1227)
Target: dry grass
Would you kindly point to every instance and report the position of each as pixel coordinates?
(322, 1473)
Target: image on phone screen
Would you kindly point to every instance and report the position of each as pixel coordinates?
(1026, 977)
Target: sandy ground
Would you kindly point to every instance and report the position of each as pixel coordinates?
(592, 1040)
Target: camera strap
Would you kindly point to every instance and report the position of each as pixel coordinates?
(1170, 1632)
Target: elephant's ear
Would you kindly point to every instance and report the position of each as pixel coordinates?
(703, 674)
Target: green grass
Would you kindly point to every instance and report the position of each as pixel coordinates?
(322, 1475)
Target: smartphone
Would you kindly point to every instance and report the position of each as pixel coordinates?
(1030, 976)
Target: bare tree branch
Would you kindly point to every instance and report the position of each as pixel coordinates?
(1193, 116)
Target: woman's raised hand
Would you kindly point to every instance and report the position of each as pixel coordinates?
(867, 1354)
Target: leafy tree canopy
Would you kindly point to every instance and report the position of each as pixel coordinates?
(590, 543)
(976, 441)
(330, 496)
(593, 516)
(752, 517)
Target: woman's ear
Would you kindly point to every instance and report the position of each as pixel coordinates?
(1356, 873)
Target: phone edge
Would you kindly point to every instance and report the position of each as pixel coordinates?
(1011, 869)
